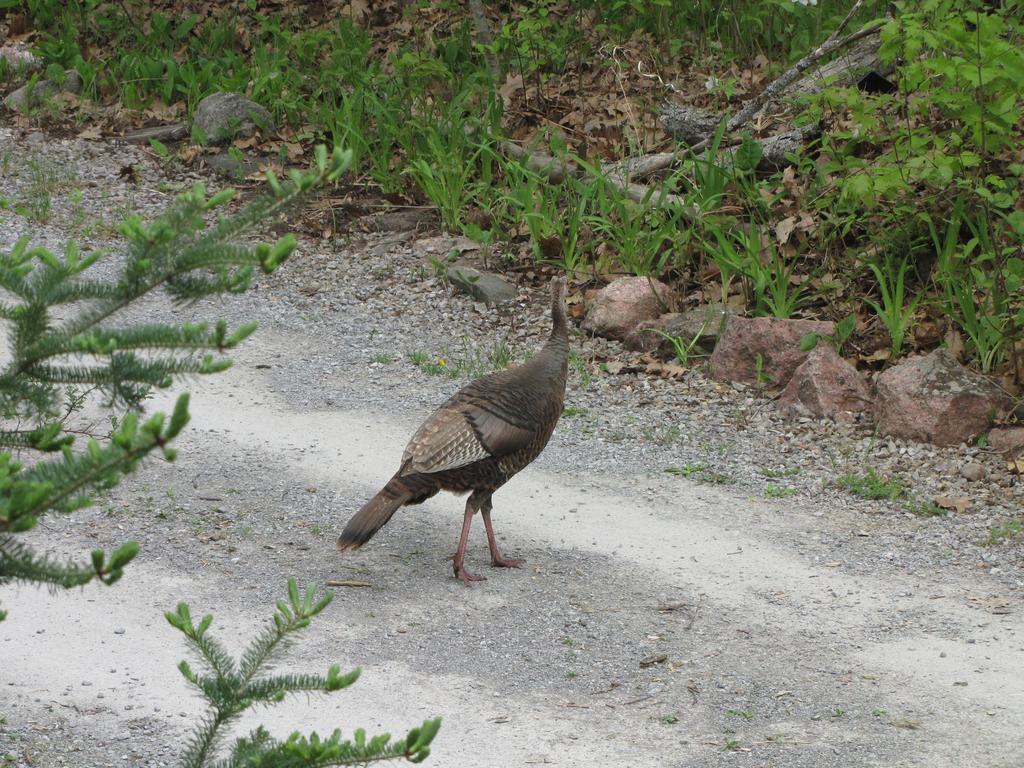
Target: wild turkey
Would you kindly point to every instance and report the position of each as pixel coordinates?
(481, 437)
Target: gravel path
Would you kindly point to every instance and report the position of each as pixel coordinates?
(799, 625)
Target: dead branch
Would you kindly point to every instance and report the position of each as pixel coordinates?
(847, 69)
(689, 124)
(776, 87)
(654, 163)
(557, 170)
(552, 169)
(774, 149)
(483, 35)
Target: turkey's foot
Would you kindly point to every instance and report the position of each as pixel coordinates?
(467, 577)
(498, 561)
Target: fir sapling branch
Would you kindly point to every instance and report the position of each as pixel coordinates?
(234, 687)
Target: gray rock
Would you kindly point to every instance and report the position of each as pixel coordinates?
(19, 58)
(972, 471)
(934, 399)
(776, 343)
(231, 168)
(625, 303)
(482, 286)
(224, 116)
(29, 96)
(701, 323)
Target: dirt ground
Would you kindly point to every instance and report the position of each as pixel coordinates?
(658, 621)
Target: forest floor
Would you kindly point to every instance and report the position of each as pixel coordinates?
(683, 618)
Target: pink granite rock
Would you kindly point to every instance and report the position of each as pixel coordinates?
(623, 303)
(777, 342)
(825, 386)
(1009, 440)
(934, 399)
(700, 323)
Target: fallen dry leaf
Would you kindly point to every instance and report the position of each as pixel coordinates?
(784, 229)
(92, 133)
(247, 143)
(993, 604)
(670, 370)
(878, 354)
(654, 658)
(959, 503)
(1016, 465)
(512, 84)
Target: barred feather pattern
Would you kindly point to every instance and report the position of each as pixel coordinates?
(481, 437)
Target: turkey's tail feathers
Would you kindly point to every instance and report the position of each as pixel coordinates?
(373, 516)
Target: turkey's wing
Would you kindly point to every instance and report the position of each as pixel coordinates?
(459, 434)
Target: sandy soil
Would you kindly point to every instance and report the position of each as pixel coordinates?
(770, 651)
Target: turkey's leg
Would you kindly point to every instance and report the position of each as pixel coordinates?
(496, 559)
(460, 554)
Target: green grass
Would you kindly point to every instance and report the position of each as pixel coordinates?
(687, 470)
(925, 509)
(773, 491)
(571, 412)
(1009, 531)
(663, 435)
(698, 472)
(745, 714)
(43, 179)
(870, 485)
(778, 474)
(468, 362)
(425, 125)
(579, 365)
(384, 358)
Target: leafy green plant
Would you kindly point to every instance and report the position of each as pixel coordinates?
(556, 216)
(773, 491)
(465, 363)
(925, 509)
(979, 279)
(871, 485)
(778, 295)
(893, 309)
(1011, 530)
(759, 373)
(778, 474)
(643, 237)
(709, 184)
(843, 330)
(682, 348)
(233, 686)
(579, 365)
(768, 285)
(63, 340)
(444, 167)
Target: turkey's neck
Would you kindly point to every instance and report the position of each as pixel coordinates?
(555, 353)
(559, 325)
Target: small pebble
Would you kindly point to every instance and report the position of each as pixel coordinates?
(972, 471)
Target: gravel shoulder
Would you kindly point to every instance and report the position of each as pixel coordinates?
(810, 629)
